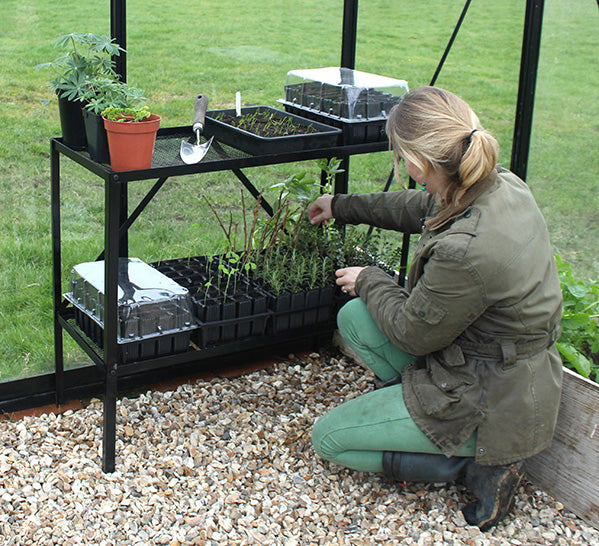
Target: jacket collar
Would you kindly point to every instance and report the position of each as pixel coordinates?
(449, 212)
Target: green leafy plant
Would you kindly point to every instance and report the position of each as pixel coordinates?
(209, 281)
(103, 93)
(285, 251)
(305, 189)
(579, 340)
(228, 272)
(87, 58)
(298, 191)
(115, 113)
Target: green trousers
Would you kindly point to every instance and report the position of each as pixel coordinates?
(356, 433)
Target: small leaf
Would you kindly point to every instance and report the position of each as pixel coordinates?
(574, 357)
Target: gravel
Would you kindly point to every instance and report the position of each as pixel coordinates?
(229, 461)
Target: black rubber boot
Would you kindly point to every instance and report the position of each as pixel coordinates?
(495, 487)
(423, 467)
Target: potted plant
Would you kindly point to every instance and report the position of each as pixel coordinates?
(131, 136)
(99, 95)
(87, 57)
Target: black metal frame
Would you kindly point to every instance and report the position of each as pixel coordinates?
(531, 45)
(116, 225)
(529, 62)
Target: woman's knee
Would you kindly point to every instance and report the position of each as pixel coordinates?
(322, 439)
(349, 318)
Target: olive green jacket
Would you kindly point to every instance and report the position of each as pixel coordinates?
(481, 310)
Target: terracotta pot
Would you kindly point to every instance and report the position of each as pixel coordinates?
(131, 143)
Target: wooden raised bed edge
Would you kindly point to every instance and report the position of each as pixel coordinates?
(568, 469)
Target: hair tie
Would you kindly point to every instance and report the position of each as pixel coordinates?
(470, 135)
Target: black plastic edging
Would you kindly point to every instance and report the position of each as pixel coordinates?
(88, 381)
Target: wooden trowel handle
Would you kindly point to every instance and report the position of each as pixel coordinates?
(201, 105)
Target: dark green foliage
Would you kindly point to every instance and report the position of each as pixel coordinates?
(580, 327)
(287, 253)
(87, 56)
(86, 72)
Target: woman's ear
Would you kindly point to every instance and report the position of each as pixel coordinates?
(425, 166)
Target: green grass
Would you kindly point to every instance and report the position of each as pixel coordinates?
(177, 50)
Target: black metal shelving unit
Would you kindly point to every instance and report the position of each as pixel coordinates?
(117, 221)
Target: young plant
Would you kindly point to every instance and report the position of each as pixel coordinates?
(579, 340)
(87, 58)
(233, 260)
(330, 167)
(126, 115)
(228, 272)
(208, 284)
(103, 93)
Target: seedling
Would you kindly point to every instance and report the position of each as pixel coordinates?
(266, 123)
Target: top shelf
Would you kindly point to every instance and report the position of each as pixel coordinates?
(167, 162)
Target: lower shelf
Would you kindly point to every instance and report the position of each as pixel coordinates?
(89, 380)
(220, 316)
(248, 310)
(132, 351)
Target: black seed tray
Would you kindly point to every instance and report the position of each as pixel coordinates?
(352, 131)
(221, 316)
(238, 317)
(132, 351)
(301, 309)
(324, 136)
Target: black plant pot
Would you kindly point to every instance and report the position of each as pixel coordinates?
(71, 123)
(208, 311)
(237, 317)
(97, 140)
(302, 308)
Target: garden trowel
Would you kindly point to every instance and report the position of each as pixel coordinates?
(194, 153)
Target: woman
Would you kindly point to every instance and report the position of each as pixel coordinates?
(465, 352)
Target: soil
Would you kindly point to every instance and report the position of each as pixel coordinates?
(264, 124)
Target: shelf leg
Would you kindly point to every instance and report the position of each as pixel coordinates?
(109, 424)
(342, 179)
(56, 273)
(114, 200)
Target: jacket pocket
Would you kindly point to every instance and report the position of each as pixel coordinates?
(425, 309)
(432, 399)
(448, 385)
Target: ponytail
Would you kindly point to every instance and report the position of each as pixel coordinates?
(477, 161)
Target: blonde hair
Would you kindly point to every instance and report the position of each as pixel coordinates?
(437, 130)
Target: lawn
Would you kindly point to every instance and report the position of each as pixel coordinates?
(177, 50)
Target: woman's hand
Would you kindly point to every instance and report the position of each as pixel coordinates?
(346, 279)
(320, 211)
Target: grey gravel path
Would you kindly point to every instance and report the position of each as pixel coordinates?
(230, 461)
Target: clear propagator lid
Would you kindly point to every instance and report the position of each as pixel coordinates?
(344, 92)
(149, 302)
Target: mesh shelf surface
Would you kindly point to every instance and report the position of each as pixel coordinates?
(166, 149)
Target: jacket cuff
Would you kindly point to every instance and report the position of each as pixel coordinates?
(337, 204)
(371, 275)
